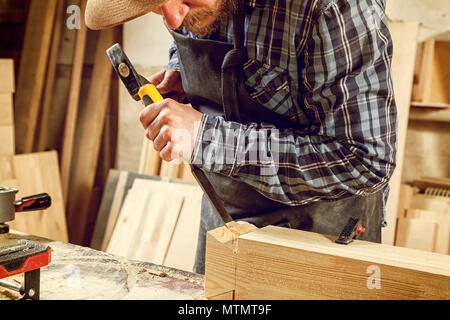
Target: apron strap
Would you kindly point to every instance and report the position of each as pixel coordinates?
(232, 60)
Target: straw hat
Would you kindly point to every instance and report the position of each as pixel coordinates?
(103, 14)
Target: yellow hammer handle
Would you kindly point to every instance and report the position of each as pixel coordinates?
(151, 92)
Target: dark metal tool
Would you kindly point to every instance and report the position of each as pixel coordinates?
(351, 231)
(9, 206)
(149, 94)
(24, 257)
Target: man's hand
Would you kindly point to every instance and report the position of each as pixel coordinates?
(173, 127)
(168, 83)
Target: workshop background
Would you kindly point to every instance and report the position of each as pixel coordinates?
(69, 128)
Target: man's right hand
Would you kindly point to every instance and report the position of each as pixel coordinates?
(168, 83)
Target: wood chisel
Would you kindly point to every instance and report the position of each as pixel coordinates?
(149, 94)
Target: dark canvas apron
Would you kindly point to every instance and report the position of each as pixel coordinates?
(213, 82)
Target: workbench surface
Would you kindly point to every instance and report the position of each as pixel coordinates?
(80, 273)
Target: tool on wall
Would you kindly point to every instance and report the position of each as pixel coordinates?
(149, 94)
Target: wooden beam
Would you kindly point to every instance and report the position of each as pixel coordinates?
(50, 79)
(404, 38)
(276, 263)
(72, 105)
(88, 140)
(32, 69)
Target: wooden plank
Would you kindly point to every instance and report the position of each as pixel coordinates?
(163, 228)
(433, 182)
(7, 146)
(7, 80)
(32, 69)
(6, 109)
(442, 221)
(157, 221)
(404, 202)
(276, 263)
(72, 105)
(404, 37)
(105, 206)
(186, 173)
(437, 115)
(416, 234)
(124, 184)
(150, 162)
(129, 219)
(6, 168)
(89, 137)
(50, 78)
(429, 105)
(38, 173)
(441, 73)
(183, 246)
(423, 92)
(170, 169)
(220, 267)
(429, 203)
(167, 227)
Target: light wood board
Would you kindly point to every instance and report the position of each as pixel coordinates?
(50, 78)
(88, 138)
(6, 109)
(442, 221)
(404, 38)
(38, 173)
(7, 84)
(158, 223)
(32, 70)
(276, 263)
(73, 105)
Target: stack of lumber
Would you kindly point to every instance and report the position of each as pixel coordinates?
(66, 100)
(31, 173)
(149, 219)
(431, 95)
(243, 262)
(424, 215)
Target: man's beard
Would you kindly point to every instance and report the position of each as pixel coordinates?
(192, 22)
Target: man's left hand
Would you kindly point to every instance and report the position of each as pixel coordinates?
(173, 127)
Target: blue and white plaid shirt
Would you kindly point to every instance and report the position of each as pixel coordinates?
(326, 65)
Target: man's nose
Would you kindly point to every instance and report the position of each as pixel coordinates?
(174, 12)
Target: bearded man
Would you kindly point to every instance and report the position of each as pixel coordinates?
(288, 105)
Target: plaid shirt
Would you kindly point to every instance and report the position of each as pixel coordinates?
(326, 65)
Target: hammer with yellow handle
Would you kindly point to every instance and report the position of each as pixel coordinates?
(149, 94)
(131, 79)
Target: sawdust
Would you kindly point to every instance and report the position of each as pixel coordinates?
(9, 295)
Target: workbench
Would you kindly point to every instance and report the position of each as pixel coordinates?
(80, 273)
